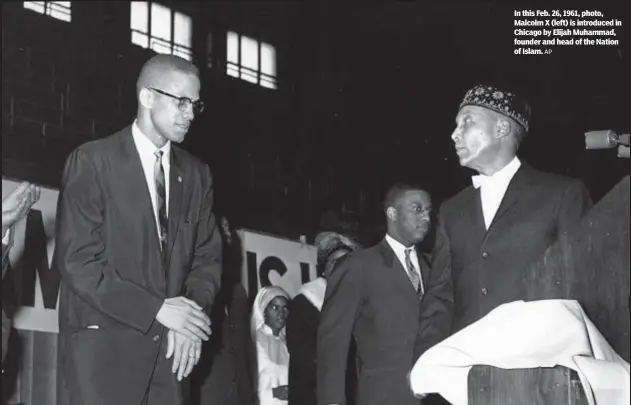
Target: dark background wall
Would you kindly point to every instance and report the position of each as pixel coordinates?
(366, 96)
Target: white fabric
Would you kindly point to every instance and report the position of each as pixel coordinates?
(146, 151)
(493, 188)
(522, 334)
(7, 238)
(314, 291)
(399, 251)
(272, 353)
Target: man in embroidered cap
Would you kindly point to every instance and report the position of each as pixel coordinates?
(491, 230)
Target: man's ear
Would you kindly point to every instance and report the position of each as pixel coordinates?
(391, 212)
(503, 128)
(146, 98)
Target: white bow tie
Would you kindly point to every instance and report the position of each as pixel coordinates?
(480, 180)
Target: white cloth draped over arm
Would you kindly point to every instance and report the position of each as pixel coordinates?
(522, 334)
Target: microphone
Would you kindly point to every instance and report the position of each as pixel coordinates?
(608, 139)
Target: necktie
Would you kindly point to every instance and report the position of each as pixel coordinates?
(412, 274)
(161, 206)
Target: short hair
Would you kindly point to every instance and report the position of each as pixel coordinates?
(158, 65)
(519, 133)
(395, 192)
(517, 130)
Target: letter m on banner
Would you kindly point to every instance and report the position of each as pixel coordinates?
(35, 263)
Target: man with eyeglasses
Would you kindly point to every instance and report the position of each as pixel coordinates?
(138, 250)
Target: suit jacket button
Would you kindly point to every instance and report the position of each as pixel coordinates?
(156, 338)
(485, 255)
(484, 291)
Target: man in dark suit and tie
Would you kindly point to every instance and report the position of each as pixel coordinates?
(490, 231)
(138, 250)
(15, 206)
(374, 297)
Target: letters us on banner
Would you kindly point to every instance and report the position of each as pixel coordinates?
(31, 285)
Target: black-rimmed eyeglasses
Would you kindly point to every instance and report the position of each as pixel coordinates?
(183, 102)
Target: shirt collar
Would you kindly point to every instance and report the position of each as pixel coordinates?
(504, 175)
(145, 146)
(397, 246)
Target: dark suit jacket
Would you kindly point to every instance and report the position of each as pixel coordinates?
(302, 338)
(6, 322)
(108, 253)
(224, 374)
(369, 297)
(475, 270)
(302, 341)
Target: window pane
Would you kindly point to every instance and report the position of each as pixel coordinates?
(35, 6)
(139, 16)
(232, 46)
(249, 53)
(139, 39)
(59, 11)
(232, 70)
(182, 52)
(60, 15)
(268, 59)
(183, 28)
(269, 82)
(160, 46)
(160, 21)
(249, 75)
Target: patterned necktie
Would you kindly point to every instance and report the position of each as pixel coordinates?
(158, 172)
(412, 274)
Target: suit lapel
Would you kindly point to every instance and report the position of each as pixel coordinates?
(176, 185)
(472, 210)
(393, 264)
(424, 267)
(514, 192)
(136, 184)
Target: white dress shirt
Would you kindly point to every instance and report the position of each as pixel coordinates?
(146, 150)
(399, 251)
(493, 188)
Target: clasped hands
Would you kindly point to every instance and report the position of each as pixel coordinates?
(188, 326)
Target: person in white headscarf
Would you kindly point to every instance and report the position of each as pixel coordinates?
(269, 316)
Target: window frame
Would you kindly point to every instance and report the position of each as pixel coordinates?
(175, 48)
(48, 9)
(241, 70)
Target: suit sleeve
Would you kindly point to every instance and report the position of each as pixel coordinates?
(81, 255)
(342, 302)
(575, 204)
(203, 282)
(299, 327)
(436, 311)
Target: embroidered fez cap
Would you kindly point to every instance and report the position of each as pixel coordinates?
(500, 101)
